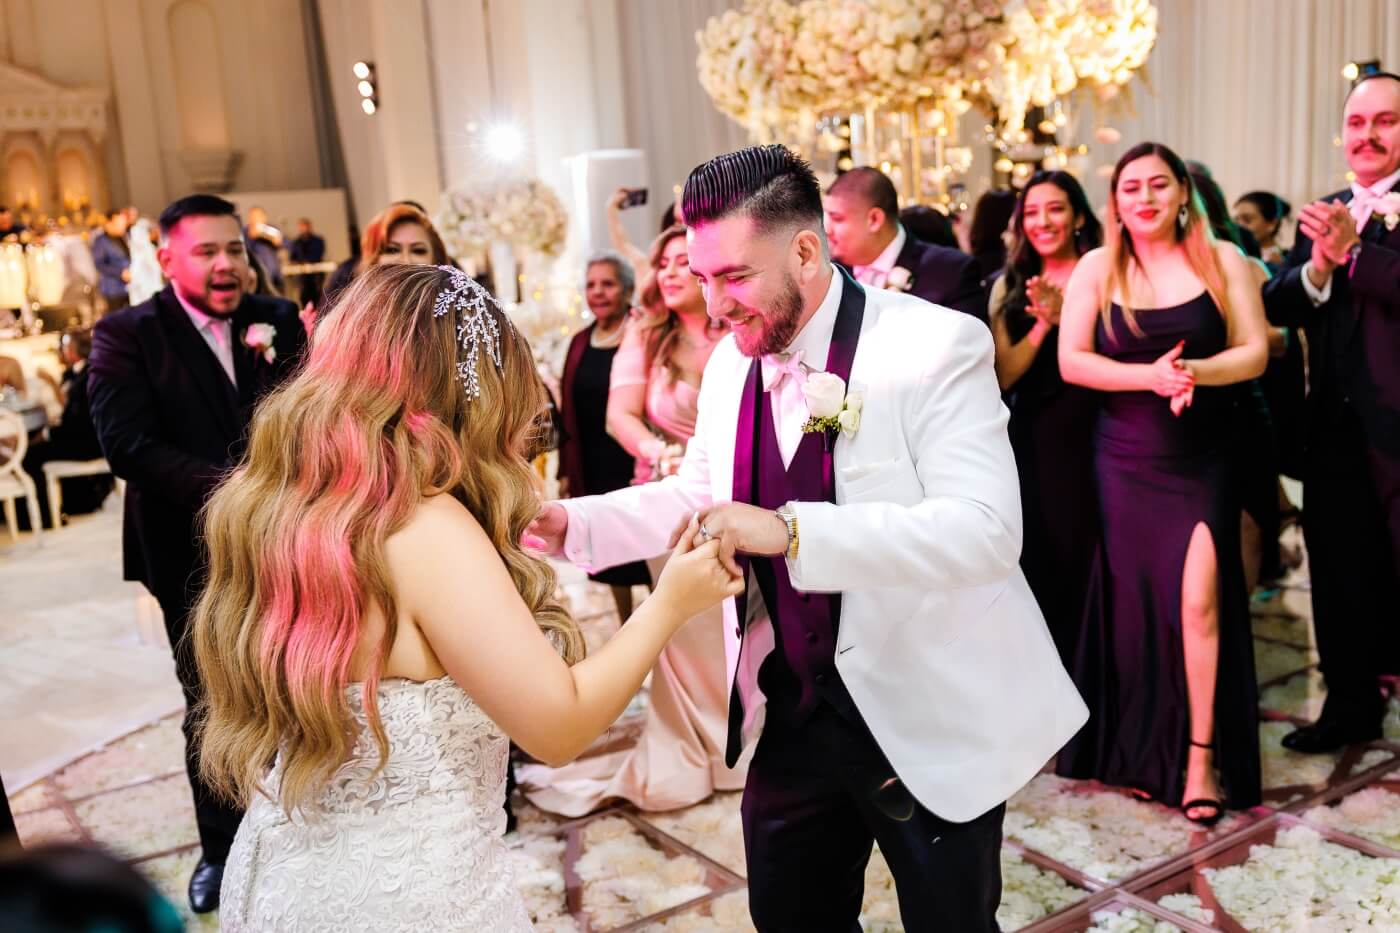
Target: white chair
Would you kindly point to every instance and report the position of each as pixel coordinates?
(56, 470)
(14, 482)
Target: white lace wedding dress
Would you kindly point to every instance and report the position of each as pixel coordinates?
(418, 847)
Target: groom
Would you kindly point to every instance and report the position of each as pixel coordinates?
(910, 683)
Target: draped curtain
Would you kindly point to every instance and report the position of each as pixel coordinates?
(1252, 88)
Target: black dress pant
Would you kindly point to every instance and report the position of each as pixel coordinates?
(1351, 524)
(811, 813)
(217, 819)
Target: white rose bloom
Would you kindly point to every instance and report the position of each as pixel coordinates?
(855, 400)
(259, 335)
(825, 394)
(849, 421)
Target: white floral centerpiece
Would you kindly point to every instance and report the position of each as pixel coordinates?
(524, 212)
(777, 63)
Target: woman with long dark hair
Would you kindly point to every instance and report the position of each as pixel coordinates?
(986, 240)
(1052, 424)
(1166, 322)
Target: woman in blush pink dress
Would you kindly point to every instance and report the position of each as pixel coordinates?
(679, 758)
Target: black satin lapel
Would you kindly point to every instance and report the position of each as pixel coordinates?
(845, 335)
(745, 459)
(199, 360)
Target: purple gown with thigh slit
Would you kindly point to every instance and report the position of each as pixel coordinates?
(1159, 476)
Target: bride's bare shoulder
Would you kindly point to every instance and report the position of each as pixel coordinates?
(436, 525)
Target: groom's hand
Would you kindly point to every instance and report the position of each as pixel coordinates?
(549, 527)
(743, 528)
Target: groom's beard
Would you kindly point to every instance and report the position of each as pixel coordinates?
(781, 322)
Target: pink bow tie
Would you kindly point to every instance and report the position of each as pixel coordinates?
(1363, 200)
(779, 366)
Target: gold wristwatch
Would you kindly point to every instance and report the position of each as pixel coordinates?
(789, 517)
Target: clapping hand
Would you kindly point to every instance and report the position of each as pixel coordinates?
(1046, 299)
(1172, 378)
(1332, 229)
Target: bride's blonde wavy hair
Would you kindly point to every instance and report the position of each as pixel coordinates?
(339, 457)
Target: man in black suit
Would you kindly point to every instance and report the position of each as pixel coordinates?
(1341, 284)
(73, 438)
(306, 248)
(865, 236)
(173, 383)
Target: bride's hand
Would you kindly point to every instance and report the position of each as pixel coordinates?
(694, 579)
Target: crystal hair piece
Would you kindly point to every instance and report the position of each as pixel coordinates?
(475, 326)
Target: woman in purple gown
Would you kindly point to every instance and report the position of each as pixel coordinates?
(1166, 322)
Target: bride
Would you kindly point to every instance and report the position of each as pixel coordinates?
(372, 626)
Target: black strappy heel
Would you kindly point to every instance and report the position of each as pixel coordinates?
(1215, 810)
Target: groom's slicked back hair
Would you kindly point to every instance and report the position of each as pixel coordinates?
(770, 184)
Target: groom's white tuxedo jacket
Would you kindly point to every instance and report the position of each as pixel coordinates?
(941, 644)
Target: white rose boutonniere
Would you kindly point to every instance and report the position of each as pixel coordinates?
(259, 337)
(1388, 210)
(900, 279)
(831, 407)
(825, 394)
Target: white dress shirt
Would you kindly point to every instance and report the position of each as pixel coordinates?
(878, 272)
(1320, 296)
(217, 332)
(813, 341)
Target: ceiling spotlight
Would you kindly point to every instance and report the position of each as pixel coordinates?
(1355, 71)
(505, 142)
(367, 86)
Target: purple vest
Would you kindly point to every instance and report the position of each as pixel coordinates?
(802, 667)
(801, 671)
